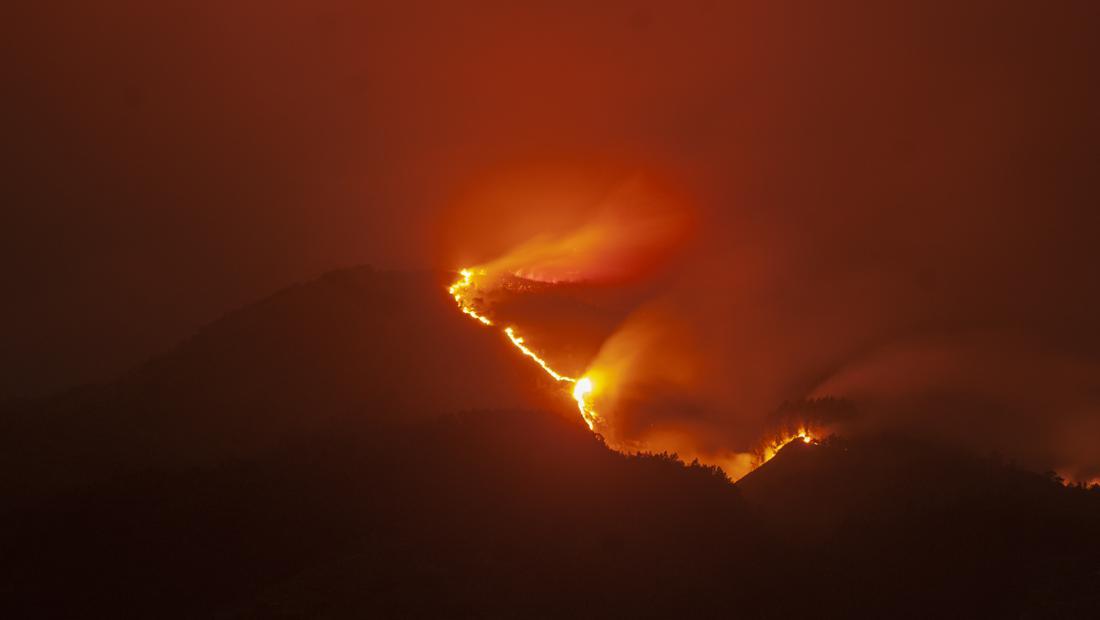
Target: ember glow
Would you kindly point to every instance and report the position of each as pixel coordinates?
(582, 387)
(773, 447)
(465, 293)
(644, 373)
(458, 289)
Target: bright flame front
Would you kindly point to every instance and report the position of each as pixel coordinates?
(771, 449)
(582, 387)
(463, 291)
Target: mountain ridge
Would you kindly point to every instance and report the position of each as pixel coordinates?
(271, 488)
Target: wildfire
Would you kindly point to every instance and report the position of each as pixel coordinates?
(771, 449)
(464, 291)
(581, 390)
(582, 387)
(456, 290)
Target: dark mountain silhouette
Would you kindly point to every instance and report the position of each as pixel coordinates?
(355, 344)
(913, 526)
(353, 447)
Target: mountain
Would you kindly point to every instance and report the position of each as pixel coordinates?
(354, 345)
(354, 447)
(900, 523)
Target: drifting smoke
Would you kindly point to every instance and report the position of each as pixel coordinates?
(985, 391)
(621, 235)
(761, 334)
(641, 389)
(890, 214)
(716, 367)
(896, 201)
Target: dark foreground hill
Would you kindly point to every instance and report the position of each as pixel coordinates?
(472, 514)
(894, 523)
(305, 457)
(355, 345)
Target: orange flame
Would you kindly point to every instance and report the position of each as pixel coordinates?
(772, 448)
(463, 291)
(582, 387)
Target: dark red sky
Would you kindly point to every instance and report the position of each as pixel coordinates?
(869, 175)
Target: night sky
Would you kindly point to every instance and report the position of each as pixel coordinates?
(890, 201)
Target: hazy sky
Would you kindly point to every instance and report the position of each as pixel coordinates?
(878, 183)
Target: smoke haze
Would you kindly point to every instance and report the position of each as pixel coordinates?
(890, 203)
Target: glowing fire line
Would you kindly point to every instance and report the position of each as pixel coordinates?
(773, 448)
(516, 340)
(582, 387)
